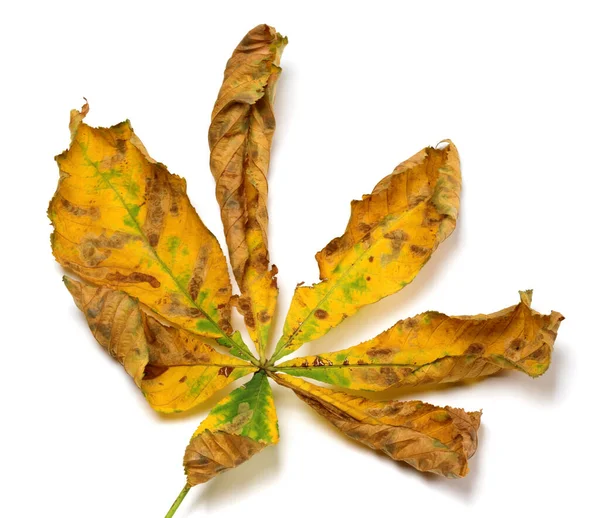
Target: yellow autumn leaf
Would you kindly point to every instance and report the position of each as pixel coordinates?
(122, 220)
(238, 427)
(240, 136)
(389, 238)
(156, 294)
(429, 438)
(435, 348)
(175, 369)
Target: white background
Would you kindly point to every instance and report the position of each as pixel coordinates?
(364, 86)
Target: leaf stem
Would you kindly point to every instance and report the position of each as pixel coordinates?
(178, 501)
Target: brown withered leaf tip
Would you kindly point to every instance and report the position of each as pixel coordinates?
(154, 287)
(240, 137)
(429, 438)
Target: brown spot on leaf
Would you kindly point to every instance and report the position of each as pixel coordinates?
(346, 362)
(117, 240)
(103, 329)
(225, 371)
(133, 278)
(91, 255)
(318, 362)
(419, 250)
(182, 380)
(404, 372)
(538, 353)
(77, 211)
(249, 320)
(371, 259)
(332, 247)
(154, 371)
(321, 314)
(199, 273)
(92, 312)
(304, 363)
(244, 304)
(517, 344)
(96, 249)
(264, 316)
(260, 263)
(121, 146)
(410, 323)
(376, 353)
(225, 325)
(390, 377)
(513, 351)
(475, 348)
(397, 237)
(415, 199)
(390, 409)
(157, 197)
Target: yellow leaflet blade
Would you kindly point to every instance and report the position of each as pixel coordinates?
(435, 348)
(122, 220)
(240, 137)
(389, 238)
(237, 428)
(429, 438)
(175, 369)
(177, 389)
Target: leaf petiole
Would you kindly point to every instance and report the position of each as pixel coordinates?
(178, 501)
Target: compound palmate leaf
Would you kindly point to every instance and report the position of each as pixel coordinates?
(122, 220)
(435, 348)
(429, 438)
(390, 236)
(175, 369)
(155, 291)
(240, 136)
(237, 428)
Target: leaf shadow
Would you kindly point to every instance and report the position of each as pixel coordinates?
(257, 472)
(461, 488)
(283, 112)
(283, 118)
(544, 389)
